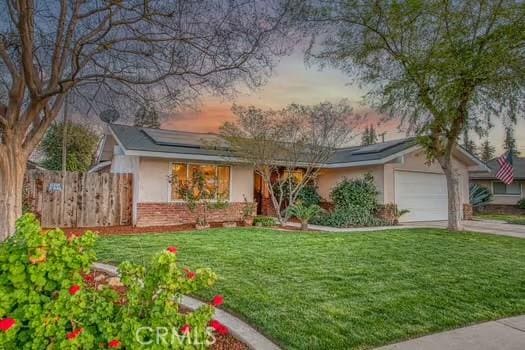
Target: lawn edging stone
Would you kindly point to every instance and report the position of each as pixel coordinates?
(238, 328)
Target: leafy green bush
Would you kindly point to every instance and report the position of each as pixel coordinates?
(349, 194)
(305, 212)
(355, 204)
(45, 302)
(308, 194)
(347, 217)
(521, 203)
(265, 221)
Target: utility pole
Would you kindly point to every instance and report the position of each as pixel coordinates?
(64, 138)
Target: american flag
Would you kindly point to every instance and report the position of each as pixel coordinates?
(506, 171)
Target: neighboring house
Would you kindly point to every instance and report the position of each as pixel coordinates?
(153, 156)
(507, 195)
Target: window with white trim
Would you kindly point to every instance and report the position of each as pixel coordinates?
(216, 178)
(511, 189)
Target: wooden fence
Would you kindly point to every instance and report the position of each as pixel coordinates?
(79, 199)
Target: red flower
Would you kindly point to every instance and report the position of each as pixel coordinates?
(219, 327)
(186, 329)
(114, 344)
(73, 334)
(217, 300)
(190, 274)
(74, 289)
(172, 249)
(6, 324)
(89, 278)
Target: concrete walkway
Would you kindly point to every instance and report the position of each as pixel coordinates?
(505, 334)
(238, 328)
(484, 226)
(356, 229)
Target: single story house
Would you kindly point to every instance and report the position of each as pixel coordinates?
(154, 156)
(504, 196)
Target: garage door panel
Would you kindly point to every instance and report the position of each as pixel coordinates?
(424, 194)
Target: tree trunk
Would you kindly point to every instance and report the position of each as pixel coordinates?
(454, 197)
(13, 162)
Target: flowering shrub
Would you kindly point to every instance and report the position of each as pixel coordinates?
(45, 302)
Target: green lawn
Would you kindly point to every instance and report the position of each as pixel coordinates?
(511, 219)
(343, 291)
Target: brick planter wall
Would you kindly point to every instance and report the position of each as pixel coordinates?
(468, 212)
(387, 212)
(500, 209)
(166, 214)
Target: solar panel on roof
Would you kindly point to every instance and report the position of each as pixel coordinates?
(378, 147)
(177, 138)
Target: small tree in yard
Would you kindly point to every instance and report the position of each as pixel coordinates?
(441, 66)
(198, 194)
(280, 143)
(81, 144)
(304, 213)
(105, 53)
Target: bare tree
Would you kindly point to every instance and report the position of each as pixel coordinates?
(102, 51)
(279, 143)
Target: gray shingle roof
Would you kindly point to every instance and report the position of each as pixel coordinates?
(518, 164)
(370, 153)
(143, 139)
(172, 141)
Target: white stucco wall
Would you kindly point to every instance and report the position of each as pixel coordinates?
(328, 178)
(384, 175)
(153, 185)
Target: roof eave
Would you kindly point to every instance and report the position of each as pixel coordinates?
(374, 161)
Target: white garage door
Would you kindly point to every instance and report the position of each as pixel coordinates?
(425, 195)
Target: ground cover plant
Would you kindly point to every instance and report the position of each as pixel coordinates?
(348, 291)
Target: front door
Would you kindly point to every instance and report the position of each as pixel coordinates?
(258, 192)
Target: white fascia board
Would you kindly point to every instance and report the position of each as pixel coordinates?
(480, 166)
(116, 139)
(181, 156)
(99, 166)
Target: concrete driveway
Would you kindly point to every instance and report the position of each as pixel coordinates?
(485, 226)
